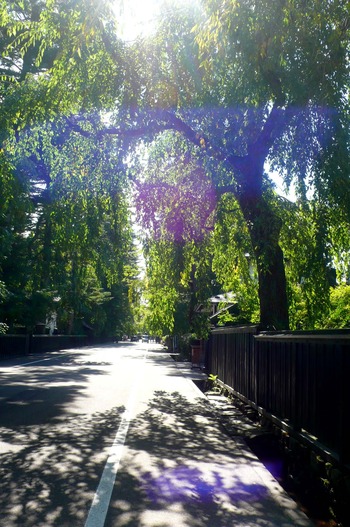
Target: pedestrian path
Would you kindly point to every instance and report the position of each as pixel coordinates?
(180, 469)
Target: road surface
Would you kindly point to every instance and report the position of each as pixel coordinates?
(117, 436)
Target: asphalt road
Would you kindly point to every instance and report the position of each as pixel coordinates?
(118, 436)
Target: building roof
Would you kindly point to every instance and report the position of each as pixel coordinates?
(228, 297)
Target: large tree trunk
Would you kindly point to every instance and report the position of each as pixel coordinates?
(264, 228)
(273, 292)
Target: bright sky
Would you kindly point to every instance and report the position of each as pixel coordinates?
(136, 16)
(280, 188)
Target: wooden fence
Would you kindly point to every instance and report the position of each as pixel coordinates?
(20, 345)
(300, 380)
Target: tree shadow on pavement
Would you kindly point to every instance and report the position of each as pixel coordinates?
(51, 456)
(180, 470)
(48, 474)
(24, 399)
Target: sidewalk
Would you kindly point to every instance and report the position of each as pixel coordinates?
(181, 470)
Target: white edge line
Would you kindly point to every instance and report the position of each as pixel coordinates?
(100, 503)
(53, 357)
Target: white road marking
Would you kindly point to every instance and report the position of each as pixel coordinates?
(100, 503)
(6, 369)
(41, 360)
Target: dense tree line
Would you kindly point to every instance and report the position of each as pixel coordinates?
(190, 118)
(66, 237)
(73, 253)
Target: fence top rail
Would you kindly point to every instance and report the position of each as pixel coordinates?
(14, 335)
(235, 329)
(35, 335)
(306, 337)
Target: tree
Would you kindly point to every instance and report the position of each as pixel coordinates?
(338, 314)
(79, 240)
(245, 83)
(309, 263)
(174, 205)
(54, 61)
(233, 262)
(249, 83)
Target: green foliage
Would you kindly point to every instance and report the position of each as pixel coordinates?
(57, 58)
(315, 241)
(271, 47)
(175, 203)
(78, 239)
(15, 206)
(233, 262)
(338, 315)
(161, 294)
(175, 198)
(213, 382)
(258, 65)
(3, 328)
(64, 223)
(27, 308)
(213, 95)
(304, 240)
(176, 283)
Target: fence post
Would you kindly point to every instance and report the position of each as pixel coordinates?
(344, 416)
(27, 344)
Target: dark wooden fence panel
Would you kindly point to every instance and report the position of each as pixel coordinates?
(43, 343)
(233, 358)
(20, 345)
(300, 379)
(13, 346)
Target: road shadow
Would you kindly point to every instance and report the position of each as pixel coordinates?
(51, 459)
(24, 398)
(178, 468)
(182, 470)
(49, 473)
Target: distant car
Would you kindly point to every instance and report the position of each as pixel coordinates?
(145, 338)
(134, 338)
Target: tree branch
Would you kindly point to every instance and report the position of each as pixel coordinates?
(248, 167)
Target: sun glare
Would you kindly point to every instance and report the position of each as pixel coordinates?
(136, 17)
